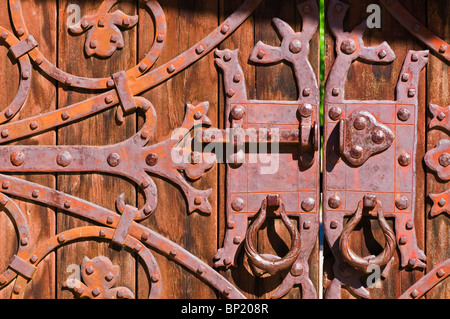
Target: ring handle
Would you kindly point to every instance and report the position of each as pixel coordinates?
(364, 263)
(269, 263)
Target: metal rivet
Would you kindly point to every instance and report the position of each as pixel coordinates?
(2, 281)
(360, 123)
(17, 158)
(67, 203)
(93, 44)
(225, 28)
(173, 252)
(442, 202)
(409, 225)
(108, 98)
(198, 115)
(35, 193)
(20, 32)
(403, 240)
(404, 159)
(402, 203)
(334, 224)
(414, 57)
(65, 115)
(110, 83)
(61, 238)
(120, 294)
(295, 46)
(348, 46)
(335, 91)
(440, 273)
(237, 240)
(403, 114)
(145, 236)
(335, 113)
(8, 113)
(305, 110)
(411, 92)
(307, 225)
(441, 116)
(356, 152)
(171, 68)
(334, 201)
(307, 92)
(405, 77)
(6, 184)
(142, 67)
(114, 38)
(238, 112)
(64, 159)
(200, 49)
(231, 224)
(145, 184)
(126, 21)
(89, 270)
(415, 293)
(102, 233)
(378, 136)
(444, 159)
(382, 54)
(4, 35)
(96, 292)
(155, 278)
(147, 210)
(160, 38)
(338, 7)
(261, 54)
(297, 270)
(201, 269)
(443, 48)
(137, 248)
(151, 159)
(3, 200)
(370, 201)
(110, 220)
(237, 78)
(195, 158)
(227, 290)
(24, 241)
(33, 259)
(25, 75)
(5, 133)
(231, 92)
(197, 200)
(238, 204)
(308, 204)
(411, 262)
(113, 159)
(33, 125)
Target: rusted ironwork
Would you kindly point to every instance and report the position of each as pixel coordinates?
(270, 263)
(363, 156)
(102, 39)
(293, 126)
(364, 264)
(438, 159)
(426, 283)
(99, 276)
(417, 29)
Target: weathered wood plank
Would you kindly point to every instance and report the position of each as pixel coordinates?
(41, 23)
(438, 92)
(187, 23)
(101, 129)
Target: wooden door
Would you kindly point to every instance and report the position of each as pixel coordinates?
(104, 195)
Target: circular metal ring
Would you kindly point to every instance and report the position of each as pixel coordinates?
(364, 263)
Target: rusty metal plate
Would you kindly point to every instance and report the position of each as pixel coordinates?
(274, 154)
(369, 158)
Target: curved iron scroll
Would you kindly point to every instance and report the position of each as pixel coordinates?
(122, 228)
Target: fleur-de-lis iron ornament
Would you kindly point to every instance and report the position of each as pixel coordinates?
(104, 36)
